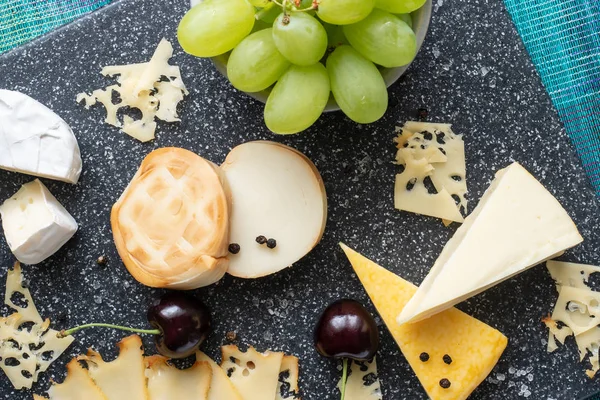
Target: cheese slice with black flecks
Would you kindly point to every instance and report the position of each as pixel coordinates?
(255, 375)
(578, 308)
(16, 291)
(287, 387)
(77, 386)
(167, 382)
(220, 385)
(363, 381)
(571, 274)
(123, 378)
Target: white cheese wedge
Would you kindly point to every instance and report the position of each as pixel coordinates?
(578, 308)
(220, 386)
(363, 382)
(123, 378)
(571, 274)
(255, 375)
(77, 386)
(287, 387)
(167, 382)
(36, 141)
(516, 225)
(35, 224)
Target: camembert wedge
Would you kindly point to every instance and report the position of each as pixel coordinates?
(516, 225)
(474, 347)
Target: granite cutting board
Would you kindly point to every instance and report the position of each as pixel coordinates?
(473, 71)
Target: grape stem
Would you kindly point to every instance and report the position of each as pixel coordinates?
(344, 377)
(68, 332)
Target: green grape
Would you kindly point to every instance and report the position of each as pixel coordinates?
(343, 12)
(214, 27)
(300, 38)
(399, 6)
(335, 35)
(357, 85)
(406, 18)
(255, 64)
(383, 38)
(259, 25)
(298, 99)
(269, 13)
(260, 3)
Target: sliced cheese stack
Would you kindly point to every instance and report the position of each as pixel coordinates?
(516, 225)
(577, 309)
(433, 180)
(473, 347)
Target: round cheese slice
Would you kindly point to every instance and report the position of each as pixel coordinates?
(171, 225)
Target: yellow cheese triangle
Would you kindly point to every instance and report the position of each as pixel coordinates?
(220, 386)
(473, 346)
(76, 386)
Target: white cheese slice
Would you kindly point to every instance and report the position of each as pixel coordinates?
(578, 308)
(363, 382)
(287, 386)
(571, 274)
(35, 224)
(589, 346)
(255, 375)
(124, 378)
(77, 386)
(516, 225)
(220, 386)
(555, 333)
(36, 141)
(14, 287)
(167, 382)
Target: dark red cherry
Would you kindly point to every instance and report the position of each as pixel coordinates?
(184, 322)
(347, 330)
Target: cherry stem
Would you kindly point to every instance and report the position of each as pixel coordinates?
(68, 332)
(344, 377)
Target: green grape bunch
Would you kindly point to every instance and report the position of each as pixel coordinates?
(306, 51)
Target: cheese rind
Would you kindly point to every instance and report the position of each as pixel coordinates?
(36, 141)
(474, 347)
(35, 224)
(516, 225)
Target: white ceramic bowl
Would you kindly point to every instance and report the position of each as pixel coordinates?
(420, 18)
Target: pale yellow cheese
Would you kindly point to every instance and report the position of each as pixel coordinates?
(363, 382)
(474, 347)
(77, 385)
(571, 274)
(556, 332)
(221, 387)
(255, 375)
(14, 285)
(124, 378)
(578, 308)
(167, 382)
(287, 386)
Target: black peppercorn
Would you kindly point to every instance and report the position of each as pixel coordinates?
(445, 383)
(447, 359)
(261, 239)
(424, 357)
(234, 248)
(101, 260)
(271, 243)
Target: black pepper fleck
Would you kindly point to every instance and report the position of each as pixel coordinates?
(101, 260)
(271, 243)
(424, 357)
(447, 359)
(261, 239)
(445, 383)
(234, 248)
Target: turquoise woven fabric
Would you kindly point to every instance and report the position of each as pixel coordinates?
(563, 39)
(24, 20)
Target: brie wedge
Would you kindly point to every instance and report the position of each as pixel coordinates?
(516, 225)
(36, 141)
(35, 224)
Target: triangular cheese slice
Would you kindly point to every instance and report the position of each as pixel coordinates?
(77, 385)
(255, 375)
(516, 225)
(363, 382)
(578, 308)
(220, 386)
(167, 382)
(287, 387)
(473, 346)
(124, 378)
(571, 274)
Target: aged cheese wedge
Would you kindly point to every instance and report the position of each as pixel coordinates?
(167, 382)
(473, 346)
(124, 378)
(363, 382)
(278, 193)
(287, 386)
(516, 225)
(35, 224)
(171, 224)
(77, 386)
(36, 141)
(571, 274)
(155, 88)
(255, 375)
(220, 386)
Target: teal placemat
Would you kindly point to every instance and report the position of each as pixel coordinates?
(24, 20)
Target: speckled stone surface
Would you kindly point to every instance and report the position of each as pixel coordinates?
(472, 71)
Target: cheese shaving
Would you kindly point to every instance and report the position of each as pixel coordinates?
(287, 387)
(154, 88)
(363, 382)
